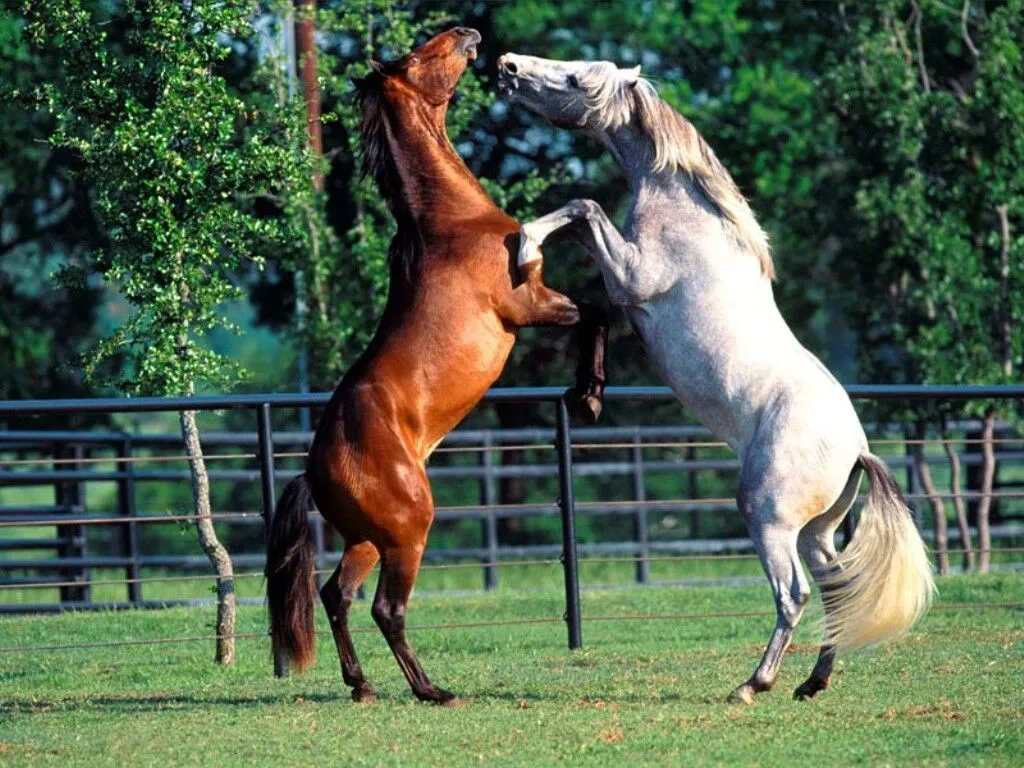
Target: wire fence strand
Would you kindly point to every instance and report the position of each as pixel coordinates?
(465, 625)
(583, 562)
(86, 521)
(477, 510)
(453, 449)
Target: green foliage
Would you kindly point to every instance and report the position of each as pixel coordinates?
(931, 134)
(45, 223)
(175, 160)
(744, 74)
(338, 242)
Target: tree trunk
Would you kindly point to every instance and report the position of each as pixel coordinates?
(219, 557)
(988, 473)
(1005, 313)
(958, 502)
(305, 39)
(935, 500)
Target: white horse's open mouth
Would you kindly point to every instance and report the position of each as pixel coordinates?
(507, 84)
(508, 77)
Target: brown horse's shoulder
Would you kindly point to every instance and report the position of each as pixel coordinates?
(499, 222)
(490, 224)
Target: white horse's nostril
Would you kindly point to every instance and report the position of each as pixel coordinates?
(509, 66)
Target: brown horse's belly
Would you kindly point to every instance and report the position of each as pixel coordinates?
(389, 421)
(473, 362)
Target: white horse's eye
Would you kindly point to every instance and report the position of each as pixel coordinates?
(573, 81)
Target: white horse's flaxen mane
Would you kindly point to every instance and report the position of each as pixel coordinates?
(618, 96)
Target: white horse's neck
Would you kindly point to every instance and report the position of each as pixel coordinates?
(674, 198)
(631, 151)
(728, 339)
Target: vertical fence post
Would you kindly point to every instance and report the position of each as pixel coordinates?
(908, 450)
(129, 531)
(69, 496)
(84, 592)
(567, 505)
(489, 525)
(640, 533)
(693, 492)
(266, 448)
(321, 536)
(60, 500)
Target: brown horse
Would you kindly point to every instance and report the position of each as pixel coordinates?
(456, 298)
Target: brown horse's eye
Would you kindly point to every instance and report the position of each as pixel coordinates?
(573, 81)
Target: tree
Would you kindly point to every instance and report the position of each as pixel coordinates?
(176, 162)
(931, 119)
(338, 235)
(45, 222)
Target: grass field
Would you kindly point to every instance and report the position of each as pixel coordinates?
(648, 692)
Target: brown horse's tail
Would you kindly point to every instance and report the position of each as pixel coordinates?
(291, 588)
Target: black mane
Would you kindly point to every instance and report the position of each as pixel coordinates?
(378, 162)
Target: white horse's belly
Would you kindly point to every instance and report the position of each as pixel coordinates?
(738, 373)
(714, 378)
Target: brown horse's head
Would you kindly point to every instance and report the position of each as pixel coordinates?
(433, 69)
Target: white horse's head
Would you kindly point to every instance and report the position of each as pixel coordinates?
(572, 94)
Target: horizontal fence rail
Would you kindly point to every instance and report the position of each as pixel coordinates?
(70, 460)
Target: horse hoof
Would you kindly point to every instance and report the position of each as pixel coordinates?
(808, 690)
(364, 695)
(584, 409)
(742, 695)
(443, 698)
(593, 406)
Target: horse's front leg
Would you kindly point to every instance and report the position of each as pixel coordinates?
(532, 303)
(629, 279)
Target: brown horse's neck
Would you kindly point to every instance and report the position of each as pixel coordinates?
(436, 186)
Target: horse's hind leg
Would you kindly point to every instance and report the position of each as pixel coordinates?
(818, 549)
(776, 544)
(399, 566)
(337, 595)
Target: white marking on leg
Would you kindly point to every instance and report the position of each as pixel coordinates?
(529, 247)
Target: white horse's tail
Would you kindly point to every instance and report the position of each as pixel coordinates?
(882, 581)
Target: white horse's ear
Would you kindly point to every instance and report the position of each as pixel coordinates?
(631, 76)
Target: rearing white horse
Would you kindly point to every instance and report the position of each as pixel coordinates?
(694, 273)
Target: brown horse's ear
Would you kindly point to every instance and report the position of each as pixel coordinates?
(377, 72)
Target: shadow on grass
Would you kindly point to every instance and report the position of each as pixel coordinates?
(155, 703)
(160, 702)
(591, 699)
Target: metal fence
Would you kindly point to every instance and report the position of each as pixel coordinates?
(71, 454)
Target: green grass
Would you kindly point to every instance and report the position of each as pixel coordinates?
(640, 693)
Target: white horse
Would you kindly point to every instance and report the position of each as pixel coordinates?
(693, 270)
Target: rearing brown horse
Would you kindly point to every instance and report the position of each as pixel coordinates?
(456, 299)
